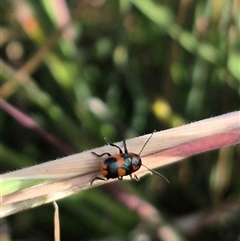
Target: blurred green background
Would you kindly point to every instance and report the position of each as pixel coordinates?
(119, 69)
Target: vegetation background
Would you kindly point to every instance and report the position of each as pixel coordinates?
(84, 70)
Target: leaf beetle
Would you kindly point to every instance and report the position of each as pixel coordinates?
(122, 164)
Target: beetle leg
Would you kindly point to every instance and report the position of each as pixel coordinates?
(97, 178)
(125, 147)
(120, 178)
(135, 177)
(100, 155)
(111, 144)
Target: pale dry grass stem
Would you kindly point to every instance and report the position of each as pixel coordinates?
(53, 180)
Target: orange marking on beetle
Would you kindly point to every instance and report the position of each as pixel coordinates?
(104, 172)
(135, 168)
(121, 172)
(120, 161)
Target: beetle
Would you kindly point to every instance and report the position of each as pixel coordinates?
(122, 164)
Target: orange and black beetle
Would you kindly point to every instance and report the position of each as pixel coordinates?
(123, 164)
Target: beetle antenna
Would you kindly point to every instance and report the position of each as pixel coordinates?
(157, 173)
(146, 142)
